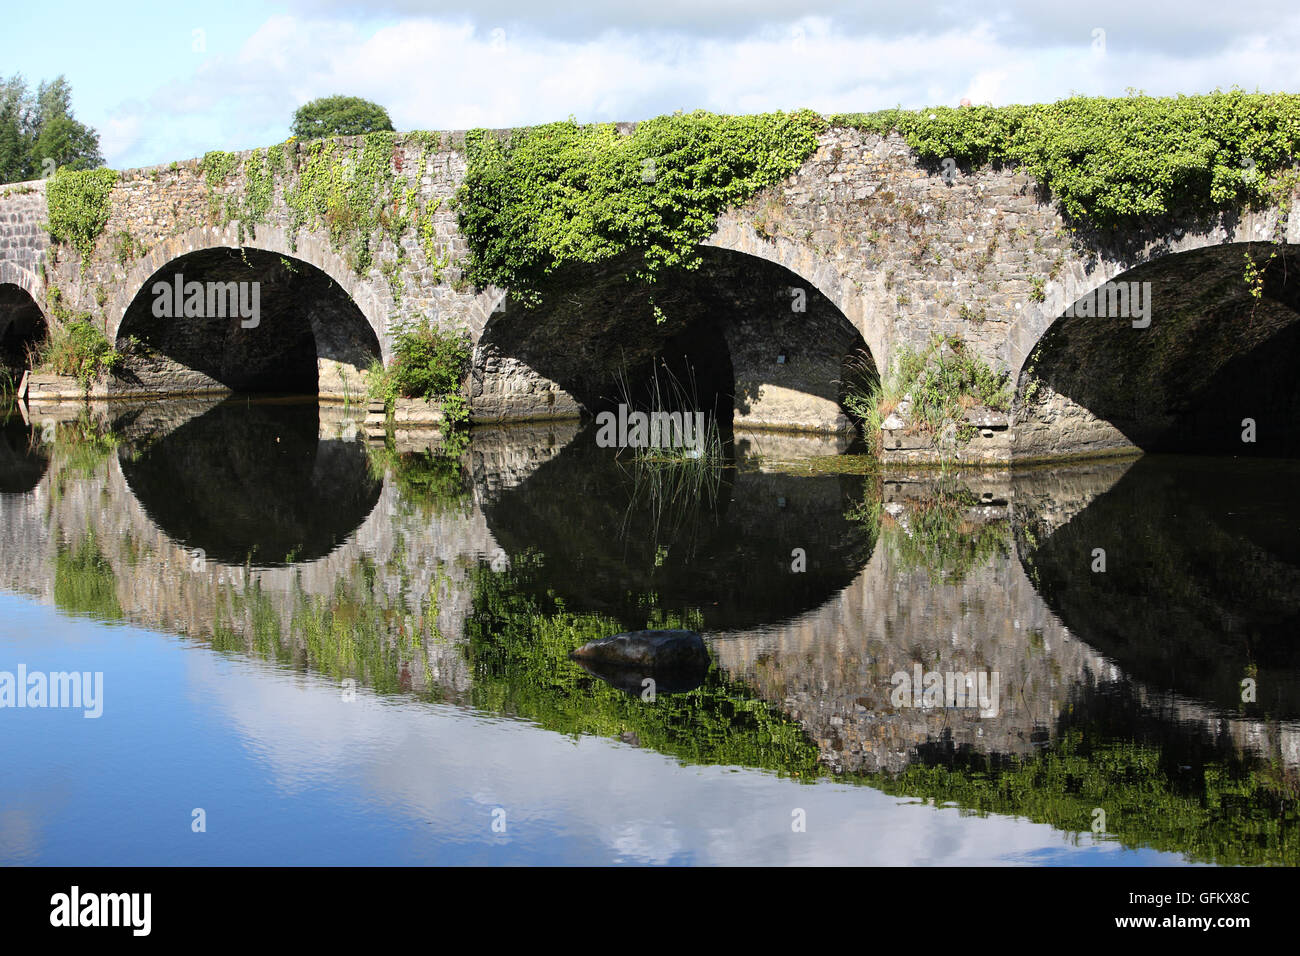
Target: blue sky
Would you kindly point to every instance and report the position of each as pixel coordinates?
(157, 90)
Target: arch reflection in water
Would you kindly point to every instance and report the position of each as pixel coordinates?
(1201, 587)
(23, 457)
(634, 539)
(255, 482)
(945, 589)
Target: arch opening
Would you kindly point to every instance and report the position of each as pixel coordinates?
(22, 329)
(691, 371)
(1209, 352)
(243, 320)
(751, 342)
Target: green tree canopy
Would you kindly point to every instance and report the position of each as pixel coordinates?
(36, 126)
(13, 146)
(339, 116)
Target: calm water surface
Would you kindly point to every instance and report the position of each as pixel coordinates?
(342, 653)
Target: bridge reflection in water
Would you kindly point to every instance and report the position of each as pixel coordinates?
(262, 530)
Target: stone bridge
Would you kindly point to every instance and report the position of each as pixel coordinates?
(865, 249)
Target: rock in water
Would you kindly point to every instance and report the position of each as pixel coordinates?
(647, 651)
(675, 661)
(634, 681)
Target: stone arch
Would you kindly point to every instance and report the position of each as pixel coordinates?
(1178, 377)
(23, 322)
(310, 247)
(737, 235)
(730, 320)
(488, 303)
(317, 338)
(11, 273)
(1082, 277)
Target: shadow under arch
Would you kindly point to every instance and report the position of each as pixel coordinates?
(254, 482)
(22, 326)
(245, 320)
(736, 233)
(1215, 348)
(618, 541)
(761, 343)
(1200, 589)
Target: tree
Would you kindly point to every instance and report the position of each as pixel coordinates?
(68, 143)
(339, 116)
(15, 107)
(36, 127)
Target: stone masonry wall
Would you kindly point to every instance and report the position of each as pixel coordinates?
(23, 237)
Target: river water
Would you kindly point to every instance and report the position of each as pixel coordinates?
(308, 649)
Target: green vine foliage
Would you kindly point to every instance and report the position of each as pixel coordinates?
(348, 197)
(565, 192)
(428, 362)
(79, 206)
(217, 167)
(259, 191)
(356, 194)
(1110, 161)
(275, 158)
(425, 230)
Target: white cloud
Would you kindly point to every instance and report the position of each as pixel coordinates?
(1199, 26)
(454, 73)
